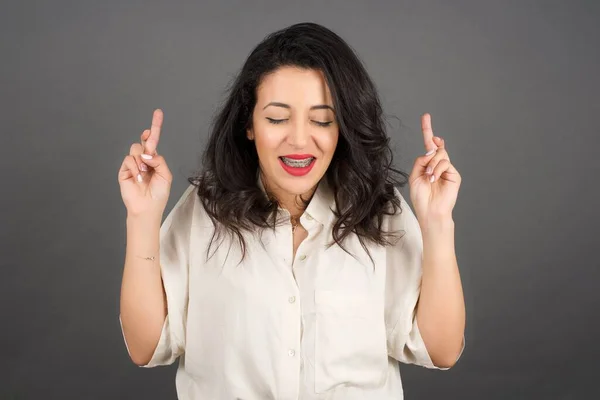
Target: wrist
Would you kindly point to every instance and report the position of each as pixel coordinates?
(438, 225)
(143, 221)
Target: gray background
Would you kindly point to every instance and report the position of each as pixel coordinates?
(511, 85)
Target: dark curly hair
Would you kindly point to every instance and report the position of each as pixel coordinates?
(360, 173)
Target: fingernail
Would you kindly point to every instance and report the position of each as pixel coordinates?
(429, 170)
(143, 167)
(432, 178)
(139, 178)
(147, 156)
(430, 152)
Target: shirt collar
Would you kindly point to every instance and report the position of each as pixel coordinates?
(321, 205)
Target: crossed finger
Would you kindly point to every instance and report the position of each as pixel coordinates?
(150, 141)
(435, 148)
(435, 158)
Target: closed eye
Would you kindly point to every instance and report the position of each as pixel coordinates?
(276, 121)
(280, 121)
(323, 123)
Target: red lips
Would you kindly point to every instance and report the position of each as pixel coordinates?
(298, 171)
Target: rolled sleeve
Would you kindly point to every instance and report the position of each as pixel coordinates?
(174, 267)
(409, 348)
(167, 350)
(403, 288)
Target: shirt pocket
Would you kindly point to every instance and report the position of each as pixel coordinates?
(350, 341)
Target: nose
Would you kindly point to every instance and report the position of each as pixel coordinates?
(299, 135)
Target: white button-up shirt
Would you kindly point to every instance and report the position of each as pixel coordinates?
(320, 325)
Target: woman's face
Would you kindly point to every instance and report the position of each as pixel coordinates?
(294, 129)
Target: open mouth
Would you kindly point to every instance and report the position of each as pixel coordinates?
(297, 163)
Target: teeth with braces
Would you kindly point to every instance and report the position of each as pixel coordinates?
(297, 163)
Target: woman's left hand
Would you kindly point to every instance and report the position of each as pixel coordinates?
(433, 200)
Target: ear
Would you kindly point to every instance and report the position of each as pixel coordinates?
(250, 134)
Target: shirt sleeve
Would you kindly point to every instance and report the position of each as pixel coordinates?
(174, 266)
(403, 287)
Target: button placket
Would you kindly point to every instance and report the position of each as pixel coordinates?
(300, 252)
(291, 335)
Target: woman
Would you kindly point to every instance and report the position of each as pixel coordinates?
(291, 266)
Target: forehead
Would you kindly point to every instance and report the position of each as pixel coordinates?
(294, 86)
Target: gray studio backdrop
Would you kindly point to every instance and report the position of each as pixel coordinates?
(511, 85)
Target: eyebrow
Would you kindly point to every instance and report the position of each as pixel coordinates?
(283, 105)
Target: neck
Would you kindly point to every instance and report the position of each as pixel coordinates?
(291, 202)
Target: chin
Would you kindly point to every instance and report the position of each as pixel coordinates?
(295, 184)
(298, 186)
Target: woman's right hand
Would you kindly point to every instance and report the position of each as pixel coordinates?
(146, 192)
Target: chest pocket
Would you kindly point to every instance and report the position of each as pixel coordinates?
(350, 341)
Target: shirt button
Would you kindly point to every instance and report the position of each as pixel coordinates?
(292, 299)
(302, 257)
(291, 353)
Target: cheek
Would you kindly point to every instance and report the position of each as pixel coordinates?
(327, 143)
(267, 141)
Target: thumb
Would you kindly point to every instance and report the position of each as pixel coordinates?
(421, 164)
(158, 164)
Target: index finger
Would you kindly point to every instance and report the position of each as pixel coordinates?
(152, 141)
(427, 132)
